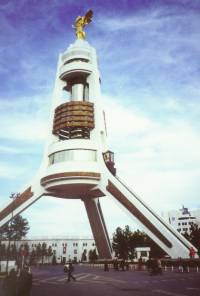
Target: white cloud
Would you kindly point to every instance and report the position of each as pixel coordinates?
(24, 119)
(11, 150)
(64, 217)
(157, 157)
(122, 120)
(10, 171)
(117, 23)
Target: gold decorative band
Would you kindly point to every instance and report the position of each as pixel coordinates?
(74, 119)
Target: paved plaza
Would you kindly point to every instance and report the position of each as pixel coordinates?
(93, 281)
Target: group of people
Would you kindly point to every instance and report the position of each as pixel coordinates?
(154, 266)
(18, 284)
(120, 265)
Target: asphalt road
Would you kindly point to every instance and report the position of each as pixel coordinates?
(92, 281)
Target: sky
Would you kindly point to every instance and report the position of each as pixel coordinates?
(149, 59)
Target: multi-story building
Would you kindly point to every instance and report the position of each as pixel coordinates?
(182, 219)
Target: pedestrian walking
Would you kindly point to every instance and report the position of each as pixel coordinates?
(106, 268)
(122, 265)
(115, 265)
(127, 265)
(69, 271)
(10, 283)
(192, 253)
(140, 263)
(24, 282)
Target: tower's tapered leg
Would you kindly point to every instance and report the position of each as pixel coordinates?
(98, 227)
(104, 224)
(21, 203)
(171, 241)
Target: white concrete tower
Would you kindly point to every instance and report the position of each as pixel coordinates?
(77, 162)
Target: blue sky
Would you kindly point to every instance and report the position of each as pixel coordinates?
(149, 58)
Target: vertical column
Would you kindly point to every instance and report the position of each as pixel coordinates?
(77, 92)
(98, 227)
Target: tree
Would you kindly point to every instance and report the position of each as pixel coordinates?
(54, 262)
(92, 255)
(195, 234)
(20, 227)
(2, 251)
(49, 252)
(14, 230)
(156, 251)
(33, 257)
(125, 241)
(38, 251)
(44, 251)
(120, 242)
(84, 256)
(186, 235)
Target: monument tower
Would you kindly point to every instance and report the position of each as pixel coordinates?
(77, 162)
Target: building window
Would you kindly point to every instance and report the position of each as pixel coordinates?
(73, 155)
(75, 252)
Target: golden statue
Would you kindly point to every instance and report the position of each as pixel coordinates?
(81, 22)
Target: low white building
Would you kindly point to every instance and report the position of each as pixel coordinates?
(63, 248)
(66, 248)
(143, 253)
(182, 219)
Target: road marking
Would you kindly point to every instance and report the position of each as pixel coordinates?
(94, 282)
(48, 279)
(83, 277)
(108, 279)
(66, 278)
(168, 293)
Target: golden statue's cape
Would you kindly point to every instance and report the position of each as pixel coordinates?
(81, 22)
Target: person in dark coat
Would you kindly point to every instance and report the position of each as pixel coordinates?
(25, 282)
(106, 268)
(70, 270)
(10, 283)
